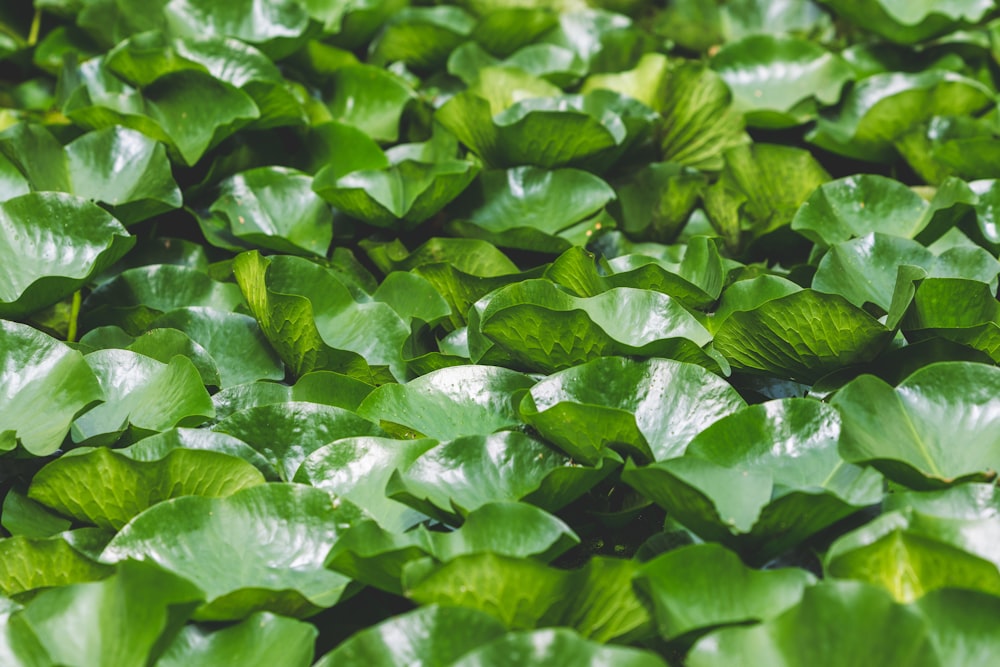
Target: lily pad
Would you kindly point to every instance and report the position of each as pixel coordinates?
(449, 403)
(504, 466)
(881, 107)
(697, 588)
(535, 325)
(28, 564)
(107, 488)
(422, 37)
(779, 81)
(531, 208)
(45, 384)
(272, 208)
(143, 394)
(555, 647)
(287, 433)
(619, 403)
(136, 297)
(370, 99)
(861, 621)
(597, 600)
(912, 22)
(801, 336)
(52, 244)
(140, 605)
(234, 342)
(262, 640)
(278, 533)
(925, 542)
(937, 428)
(116, 166)
(761, 480)
(428, 635)
(359, 468)
(272, 26)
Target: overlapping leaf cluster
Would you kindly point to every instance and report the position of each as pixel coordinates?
(549, 333)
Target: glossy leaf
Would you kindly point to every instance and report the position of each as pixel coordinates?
(862, 622)
(524, 594)
(263, 639)
(536, 326)
(503, 466)
(45, 384)
(370, 99)
(761, 480)
(926, 432)
(358, 469)
(801, 336)
(554, 646)
(29, 564)
(272, 208)
(697, 588)
(142, 393)
(119, 167)
(779, 81)
(287, 433)
(52, 244)
(278, 533)
(431, 635)
(908, 23)
(619, 403)
(107, 488)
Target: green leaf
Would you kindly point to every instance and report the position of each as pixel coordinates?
(657, 200)
(959, 624)
(422, 37)
(30, 563)
(935, 429)
(374, 556)
(279, 535)
(912, 22)
(926, 541)
(449, 403)
(370, 99)
(22, 516)
(159, 446)
(287, 317)
(119, 167)
(358, 469)
(597, 601)
(504, 466)
(324, 387)
(554, 647)
(700, 587)
(881, 107)
(165, 110)
(287, 433)
(107, 488)
(53, 243)
(142, 393)
(44, 384)
(273, 26)
(779, 81)
(235, 343)
(262, 640)
(535, 325)
(862, 622)
(530, 208)
(619, 403)
(864, 270)
(700, 121)
(760, 189)
(136, 297)
(141, 606)
(801, 336)
(761, 480)
(272, 208)
(430, 635)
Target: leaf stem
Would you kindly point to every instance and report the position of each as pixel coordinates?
(36, 25)
(74, 314)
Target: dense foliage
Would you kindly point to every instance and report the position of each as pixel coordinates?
(500, 332)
